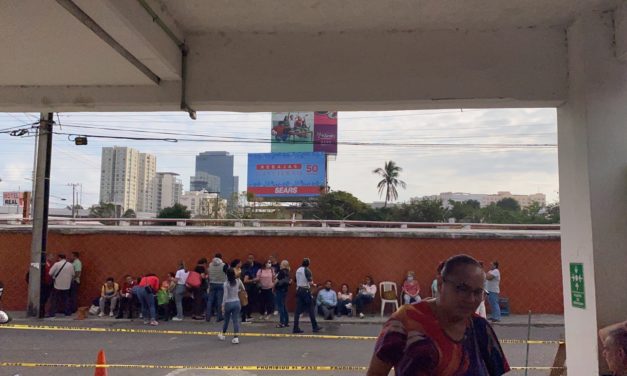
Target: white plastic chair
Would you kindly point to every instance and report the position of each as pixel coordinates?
(388, 286)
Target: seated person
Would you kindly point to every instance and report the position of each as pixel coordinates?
(411, 289)
(128, 301)
(344, 301)
(109, 293)
(365, 295)
(326, 301)
(163, 301)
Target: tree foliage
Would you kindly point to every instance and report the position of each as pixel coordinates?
(175, 211)
(103, 210)
(390, 180)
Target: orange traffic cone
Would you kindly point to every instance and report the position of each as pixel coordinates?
(101, 361)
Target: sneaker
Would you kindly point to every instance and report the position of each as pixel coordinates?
(267, 317)
(154, 323)
(141, 315)
(348, 305)
(110, 314)
(235, 341)
(297, 331)
(176, 319)
(361, 316)
(275, 313)
(221, 337)
(317, 330)
(247, 322)
(146, 322)
(100, 314)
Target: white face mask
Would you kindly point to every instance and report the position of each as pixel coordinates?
(410, 278)
(269, 264)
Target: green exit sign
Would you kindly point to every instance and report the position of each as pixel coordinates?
(577, 287)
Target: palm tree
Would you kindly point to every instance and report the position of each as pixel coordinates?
(390, 173)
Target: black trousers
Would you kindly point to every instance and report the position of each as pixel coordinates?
(266, 303)
(305, 303)
(60, 298)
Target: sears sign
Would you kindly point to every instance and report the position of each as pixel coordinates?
(286, 175)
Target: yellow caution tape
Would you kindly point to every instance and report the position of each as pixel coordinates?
(206, 333)
(212, 368)
(176, 332)
(220, 368)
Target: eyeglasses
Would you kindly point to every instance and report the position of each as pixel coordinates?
(465, 290)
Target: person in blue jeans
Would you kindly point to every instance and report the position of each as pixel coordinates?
(304, 301)
(282, 284)
(145, 294)
(493, 280)
(217, 276)
(231, 305)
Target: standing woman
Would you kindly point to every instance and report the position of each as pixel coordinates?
(231, 305)
(266, 279)
(283, 281)
(493, 278)
(145, 292)
(179, 291)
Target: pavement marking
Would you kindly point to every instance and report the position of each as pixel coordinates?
(244, 334)
(221, 368)
(209, 368)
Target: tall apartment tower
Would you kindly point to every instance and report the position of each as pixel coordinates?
(168, 190)
(220, 164)
(126, 177)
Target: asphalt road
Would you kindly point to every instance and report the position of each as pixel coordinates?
(44, 346)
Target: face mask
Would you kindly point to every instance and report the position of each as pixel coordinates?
(410, 278)
(269, 264)
(327, 288)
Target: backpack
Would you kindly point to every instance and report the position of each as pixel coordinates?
(193, 280)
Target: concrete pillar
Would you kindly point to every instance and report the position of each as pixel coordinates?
(592, 135)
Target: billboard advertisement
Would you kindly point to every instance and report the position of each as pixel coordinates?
(12, 199)
(286, 175)
(304, 132)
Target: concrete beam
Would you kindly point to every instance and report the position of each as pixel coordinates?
(620, 32)
(402, 69)
(131, 26)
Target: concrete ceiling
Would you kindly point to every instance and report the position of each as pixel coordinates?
(351, 54)
(200, 16)
(44, 45)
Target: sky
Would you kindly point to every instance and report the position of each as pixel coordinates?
(456, 163)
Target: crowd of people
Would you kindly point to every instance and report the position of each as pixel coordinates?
(200, 291)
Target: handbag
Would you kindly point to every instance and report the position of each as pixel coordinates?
(243, 297)
(193, 280)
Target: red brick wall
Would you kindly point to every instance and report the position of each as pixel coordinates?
(531, 269)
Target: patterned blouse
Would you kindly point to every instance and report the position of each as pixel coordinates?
(414, 343)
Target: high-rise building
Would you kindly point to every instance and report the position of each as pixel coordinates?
(167, 190)
(126, 177)
(204, 182)
(220, 164)
(147, 169)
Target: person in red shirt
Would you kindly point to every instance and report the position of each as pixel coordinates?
(128, 301)
(145, 293)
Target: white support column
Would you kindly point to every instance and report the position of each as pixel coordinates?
(592, 135)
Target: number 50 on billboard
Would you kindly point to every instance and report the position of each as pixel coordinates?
(286, 175)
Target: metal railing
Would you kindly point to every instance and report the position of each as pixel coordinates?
(280, 223)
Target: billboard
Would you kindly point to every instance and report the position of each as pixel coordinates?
(286, 175)
(12, 199)
(304, 132)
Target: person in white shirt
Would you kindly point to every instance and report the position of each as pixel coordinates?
(179, 292)
(493, 277)
(62, 272)
(304, 301)
(365, 295)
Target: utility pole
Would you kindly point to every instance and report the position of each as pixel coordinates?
(74, 197)
(40, 216)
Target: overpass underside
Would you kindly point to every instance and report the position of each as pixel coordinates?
(276, 55)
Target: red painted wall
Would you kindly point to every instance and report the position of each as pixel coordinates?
(530, 269)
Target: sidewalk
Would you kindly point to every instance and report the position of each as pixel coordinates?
(540, 320)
